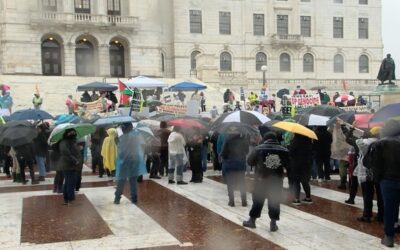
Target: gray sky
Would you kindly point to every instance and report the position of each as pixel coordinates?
(391, 31)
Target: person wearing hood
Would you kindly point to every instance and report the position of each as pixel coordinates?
(69, 162)
(130, 161)
(109, 151)
(269, 160)
(177, 156)
(383, 160)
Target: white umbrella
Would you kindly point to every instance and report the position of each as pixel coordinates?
(145, 82)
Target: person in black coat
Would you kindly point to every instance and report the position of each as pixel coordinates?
(41, 150)
(300, 166)
(233, 154)
(383, 158)
(97, 139)
(195, 146)
(26, 156)
(322, 148)
(269, 160)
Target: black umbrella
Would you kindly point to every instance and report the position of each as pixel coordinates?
(391, 128)
(275, 116)
(97, 86)
(268, 127)
(347, 117)
(236, 128)
(282, 92)
(323, 110)
(30, 114)
(247, 117)
(16, 133)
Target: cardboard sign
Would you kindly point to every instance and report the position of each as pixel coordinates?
(304, 100)
(357, 109)
(175, 109)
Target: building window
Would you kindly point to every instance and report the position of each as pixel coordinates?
(82, 6)
(305, 23)
(51, 57)
(261, 60)
(363, 2)
(195, 21)
(306, 1)
(363, 62)
(84, 57)
(338, 1)
(338, 27)
(338, 64)
(308, 63)
(114, 7)
(363, 28)
(225, 62)
(225, 23)
(283, 24)
(258, 24)
(193, 63)
(284, 62)
(49, 5)
(117, 59)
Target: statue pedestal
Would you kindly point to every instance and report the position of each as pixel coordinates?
(389, 94)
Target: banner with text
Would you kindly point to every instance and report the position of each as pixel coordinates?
(304, 100)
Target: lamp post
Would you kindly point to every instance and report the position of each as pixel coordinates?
(264, 69)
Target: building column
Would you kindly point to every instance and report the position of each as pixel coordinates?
(104, 60)
(69, 59)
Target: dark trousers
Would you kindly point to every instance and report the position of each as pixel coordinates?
(197, 170)
(153, 164)
(216, 163)
(97, 160)
(270, 188)
(306, 186)
(69, 185)
(368, 190)
(7, 165)
(391, 199)
(78, 180)
(58, 182)
(235, 181)
(163, 161)
(29, 163)
(353, 187)
(133, 188)
(324, 167)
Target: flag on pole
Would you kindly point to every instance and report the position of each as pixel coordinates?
(344, 85)
(123, 99)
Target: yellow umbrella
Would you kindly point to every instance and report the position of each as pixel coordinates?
(296, 128)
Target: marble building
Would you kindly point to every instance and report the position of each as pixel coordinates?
(296, 39)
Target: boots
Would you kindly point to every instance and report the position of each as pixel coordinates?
(32, 174)
(14, 176)
(251, 223)
(18, 178)
(272, 226)
(388, 241)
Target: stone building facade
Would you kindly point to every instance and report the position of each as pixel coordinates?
(296, 39)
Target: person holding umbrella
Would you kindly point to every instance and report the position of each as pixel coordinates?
(69, 162)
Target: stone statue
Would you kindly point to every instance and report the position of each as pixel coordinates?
(387, 70)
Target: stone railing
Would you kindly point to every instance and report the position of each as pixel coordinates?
(231, 74)
(79, 18)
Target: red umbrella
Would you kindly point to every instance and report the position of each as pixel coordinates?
(186, 123)
(362, 120)
(345, 98)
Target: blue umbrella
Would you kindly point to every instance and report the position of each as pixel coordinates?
(187, 86)
(385, 113)
(113, 120)
(60, 119)
(30, 114)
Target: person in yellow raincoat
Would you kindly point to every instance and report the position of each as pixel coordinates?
(109, 151)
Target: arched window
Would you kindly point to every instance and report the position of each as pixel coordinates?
(162, 62)
(308, 63)
(193, 63)
(284, 62)
(363, 62)
(51, 57)
(117, 59)
(84, 56)
(225, 61)
(338, 64)
(261, 60)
